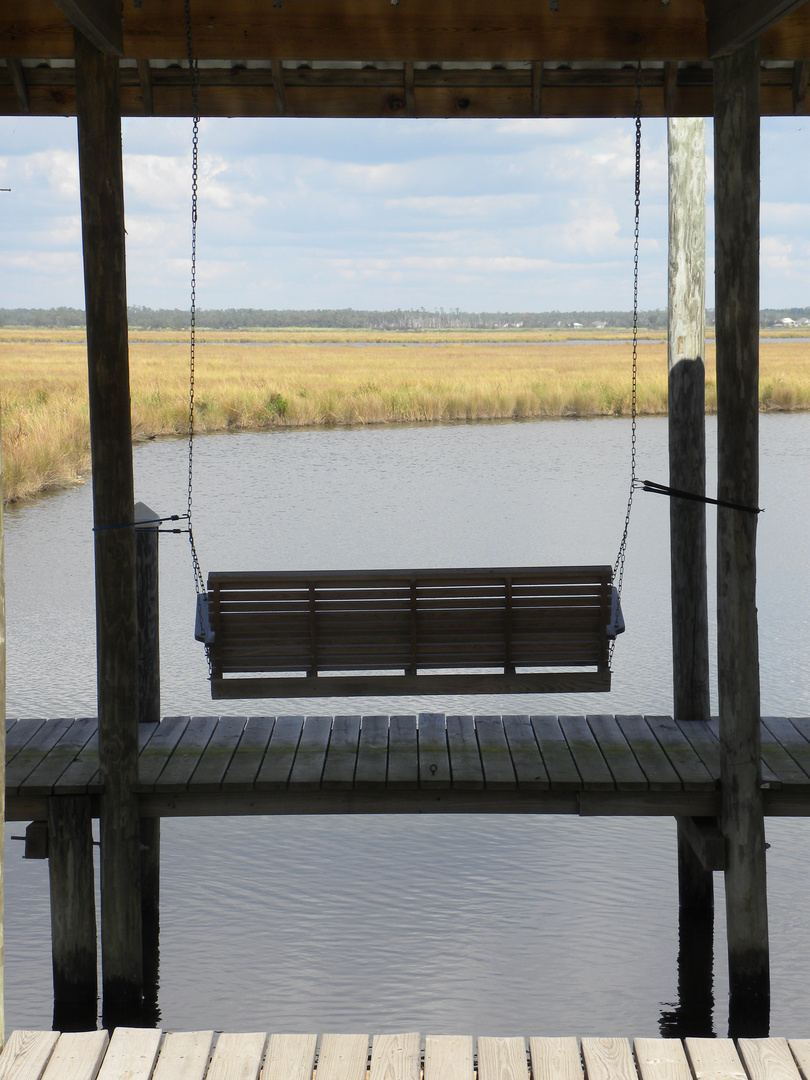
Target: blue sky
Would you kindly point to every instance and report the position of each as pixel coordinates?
(509, 215)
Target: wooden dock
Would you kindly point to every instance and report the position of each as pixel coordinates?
(587, 765)
(144, 1054)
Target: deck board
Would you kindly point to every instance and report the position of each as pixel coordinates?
(598, 764)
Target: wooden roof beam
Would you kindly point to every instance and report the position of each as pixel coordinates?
(99, 21)
(17, 76)
(733, 23)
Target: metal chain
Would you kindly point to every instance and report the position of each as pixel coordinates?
(618, 568)
(194, 77)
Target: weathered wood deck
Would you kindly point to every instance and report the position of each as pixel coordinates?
(606, 765)
(143, 1054)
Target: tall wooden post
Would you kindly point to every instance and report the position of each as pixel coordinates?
(102, 201)
(736, 164)
(687, 455)
(2, 749)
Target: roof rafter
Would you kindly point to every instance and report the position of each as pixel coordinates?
(99, 20)
(733, 23)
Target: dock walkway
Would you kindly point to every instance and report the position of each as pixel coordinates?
(144, 1054)
(587, 765)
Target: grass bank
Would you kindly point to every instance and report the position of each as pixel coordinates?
(314, 378)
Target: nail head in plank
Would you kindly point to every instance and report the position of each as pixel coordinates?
(714, 1059)
(608, 1059)
(681, 754)
(26, 1054)
(184, 1055)
(661, 1059)
(372, 753)
(187, 753)
(131, 1054)
(654, 763)
(310, 757)
(526, 758)
(768, 1059)
(290, 1057)
(465, 759)
(593, 769)
(341, 757)
(555, 1058)
(343, 1057)
(495, 757)
(434, 759)
(249, 755)
(448, 1057)
(396, 1057)
(216, 757)
(615, 749)
(237, 1057)
(157, 752)
(77, 1056)
(502, 1059)
(278, 761)
(403, 759)
(563, 774)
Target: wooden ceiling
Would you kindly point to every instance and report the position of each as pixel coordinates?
(435, 58)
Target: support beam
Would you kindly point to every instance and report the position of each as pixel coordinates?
(277, 69)
(801, 77)
(705, 841)
(733, 23)
(736, 170)
(17, 75)
(99, 21)
(537, 88)
(102, 204)
(145, 77)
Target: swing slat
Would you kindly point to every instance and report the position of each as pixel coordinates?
(384, 632)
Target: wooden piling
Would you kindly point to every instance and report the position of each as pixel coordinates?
(73, 901)
(686, 139)
(2, 748)
(736, 164)
(102, 204)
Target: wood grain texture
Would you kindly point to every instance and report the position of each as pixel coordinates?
(714, 1059)
(502, 1058)
(608, 1059)
(237, 1056)
(448, 1057)
(527, 760)
(184, 1055)
(343, 1057)
(768, 1059)
(555, 1058)
(434, 758)
(26, 1054)
(396, 1057)
(661, 1059)
(131, 1055)
(800, 1048)
(290, 1057)
(77, 1056)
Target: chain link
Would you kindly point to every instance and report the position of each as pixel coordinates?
(194, 77)
(618, 568)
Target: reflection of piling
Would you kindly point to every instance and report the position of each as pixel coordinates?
(691, 1014)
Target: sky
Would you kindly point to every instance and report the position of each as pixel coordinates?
(481, 215)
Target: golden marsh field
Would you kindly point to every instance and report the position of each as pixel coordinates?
(297, 378)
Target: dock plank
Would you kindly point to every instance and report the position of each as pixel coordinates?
(216, 757)
(343, 1057)
(794, 768)
(278, 761)
(43, 779)
(237, 1056)
(596, 776)
(703, 742)
(77, 1056)
(499, 773)
(608, 1059)
(661, 1059)
(448, 1057)
(372, 753)
(131, 1055)
(694, 775)
(563, 774)
(184, 1055)
(248, 757)
(18, 733)
(502, 1059)
(465, 758)
(186, 755)
(341, 755)
(800, 1048)
(769, 778)
(714, 1059)
(290, 1057)
(159, 749)
(768, 1059)
(615, 749)
(396, 1057)
(527, 760)
(36, 748)
(434, 757)
(555, 1058)
(310, 757)
(26, 1054)
(403, 753)
(655, 764)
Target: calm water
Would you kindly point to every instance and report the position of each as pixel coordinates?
(472, 924)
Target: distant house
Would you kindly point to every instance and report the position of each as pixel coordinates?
(787, 321)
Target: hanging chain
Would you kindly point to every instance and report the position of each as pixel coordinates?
(618, 568)
(194, 77)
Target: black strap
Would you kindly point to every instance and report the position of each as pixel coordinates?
(662, 489)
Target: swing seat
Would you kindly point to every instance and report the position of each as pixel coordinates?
(384, 632)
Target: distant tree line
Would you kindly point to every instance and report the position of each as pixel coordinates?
(143, 318)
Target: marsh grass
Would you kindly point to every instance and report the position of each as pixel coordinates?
(332, 379)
